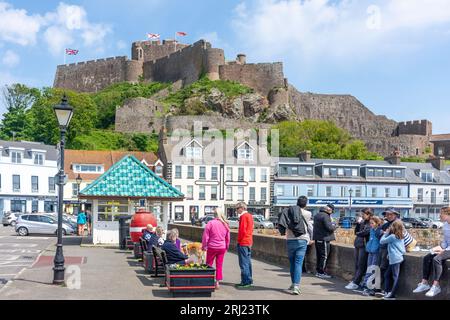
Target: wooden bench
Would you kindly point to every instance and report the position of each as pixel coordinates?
(159, 262)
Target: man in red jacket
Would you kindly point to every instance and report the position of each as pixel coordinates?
(244, 247)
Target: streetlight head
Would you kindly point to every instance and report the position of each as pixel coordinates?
(79, 179)
(64, 112)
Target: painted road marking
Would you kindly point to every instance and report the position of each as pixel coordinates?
(35, 251)
(18, 245)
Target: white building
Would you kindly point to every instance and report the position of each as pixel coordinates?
(429, 185)
(27, 177)
(216, 173)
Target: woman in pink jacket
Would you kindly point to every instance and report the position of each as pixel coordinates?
(216, 240)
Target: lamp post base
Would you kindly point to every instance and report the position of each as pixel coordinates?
(58, 269)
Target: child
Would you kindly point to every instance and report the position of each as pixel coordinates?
(393, 237)
(373, 249)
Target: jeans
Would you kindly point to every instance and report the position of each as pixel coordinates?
(245, 263)
(434, 262)
(392, 273)
(322, 253)
(296, 253)
(360, 265)
(373, 259)
(218, 255)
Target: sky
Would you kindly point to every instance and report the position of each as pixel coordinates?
(392, 55)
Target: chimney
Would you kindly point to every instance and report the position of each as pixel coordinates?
(394, 158)
(437, 162)
(305, 156)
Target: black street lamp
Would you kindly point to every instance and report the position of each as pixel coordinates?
(64, 114)
(78, 180)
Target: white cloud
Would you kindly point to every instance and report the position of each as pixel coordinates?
(121, 45)
(65, 26)
(344, 30)
(10, 59)
(17, 26)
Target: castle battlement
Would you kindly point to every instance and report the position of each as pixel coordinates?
(415, 127)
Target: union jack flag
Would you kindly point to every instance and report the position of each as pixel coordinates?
(71, 52)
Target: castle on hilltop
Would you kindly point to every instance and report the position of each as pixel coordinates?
(274, 97)
(169, 61)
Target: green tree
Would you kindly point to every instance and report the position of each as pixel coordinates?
(323, 138)
(17, 98)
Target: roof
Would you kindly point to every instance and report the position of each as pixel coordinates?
(51, 153)
(441, 177)
(131, 179)
(440, 137)
(338, 162)
(105, 158)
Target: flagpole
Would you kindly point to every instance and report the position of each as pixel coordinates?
(64, 56)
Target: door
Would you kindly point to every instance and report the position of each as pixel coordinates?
(48, 225)
(34, 225)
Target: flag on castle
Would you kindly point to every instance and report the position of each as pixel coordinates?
(153, 35)
(181, 33)
(71, 52)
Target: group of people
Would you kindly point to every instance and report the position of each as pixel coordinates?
(382, 244)
(84, 219)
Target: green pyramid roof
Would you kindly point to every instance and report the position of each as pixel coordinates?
(130, 178)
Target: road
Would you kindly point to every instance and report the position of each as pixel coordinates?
(18, 253)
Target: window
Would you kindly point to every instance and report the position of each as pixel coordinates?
(280, 190)
(420, 195)
(440, 151)
(49, 206)
(240, 193)
(190, 174)
(74, 190)
(328, 191)
(374, 192)
(379, 173)
(264, 194)
(241, 174)
(201, 192)
(310, 191)
(387, 192)
(178, 187)
(399, 173)
(16, 157)
(190, 193)
(326, 172)
(213, 192)
(252, 194)
(295, 191)
(294, 171)
(446, 195)
(343, 191)
(179, 213)
(18, 205)
(252, 175)
(388, 173)
(202, 173)
(16, 183)
(193, 152)
(159, 170)
(283, 171)
(399, 192)
(111, 210)
(177, 172)
(354, 172)
(370, 172)
(91, 168)
(193, 211)
(214, 173)
(245, 153)
(229, 174)
(210, 209)
(39, 158)
(348, 172)
(34, 184)
(1, 187)
(433, 195)
(426, 176)
(340, 171)
(308, 171)
(34, 205)
(51, 184)
(229, 193)
(263, 175)
(358, 192)
(333, 172)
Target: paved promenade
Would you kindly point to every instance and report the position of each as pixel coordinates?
(108, 273)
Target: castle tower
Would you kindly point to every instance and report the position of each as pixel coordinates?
(241, 58)
(214, 59)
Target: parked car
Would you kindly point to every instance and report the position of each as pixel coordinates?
(233, 222)
(407, 225)
(10, 218)
(66, 220)
(40, 224)
(274, 220)
(416, 223)
(437, 224)
(204, 220)
(261, 223)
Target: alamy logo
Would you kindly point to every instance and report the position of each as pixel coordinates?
(374, 280)
(74, 277)
(373, 22)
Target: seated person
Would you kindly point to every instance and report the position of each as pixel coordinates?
(156, 238)
(178, 242)
(147, 234)
(173, 254)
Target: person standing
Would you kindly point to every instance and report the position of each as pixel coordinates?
(81, 221)
(434, 261)
(244, 247)
(362, 232)
(323, 233)
(216, 241)
(89, 222)
(296, 223)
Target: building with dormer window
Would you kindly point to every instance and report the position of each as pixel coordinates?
(27, 177)
(216, 172)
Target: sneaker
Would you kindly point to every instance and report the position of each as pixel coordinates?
(422, 288)
(368, 292)
(295, 291)
(434, 291)
(389, 296)
(359, 289)
(323, 275)
(240, 285)
(351, 286)
(380, 294)
(291, 287)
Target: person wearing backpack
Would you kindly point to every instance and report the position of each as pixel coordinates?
(295, 223)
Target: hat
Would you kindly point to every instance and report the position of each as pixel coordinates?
(331, 206)
(391, 210)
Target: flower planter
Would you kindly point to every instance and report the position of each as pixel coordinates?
(190, 281)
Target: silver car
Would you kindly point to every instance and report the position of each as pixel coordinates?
(40, 224)
(233, 222)
(10, 218)
(261, 223)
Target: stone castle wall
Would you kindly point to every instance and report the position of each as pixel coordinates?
(262, 77)
(139, 115)
(153, 50)
(417, 127)
(91, 76)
